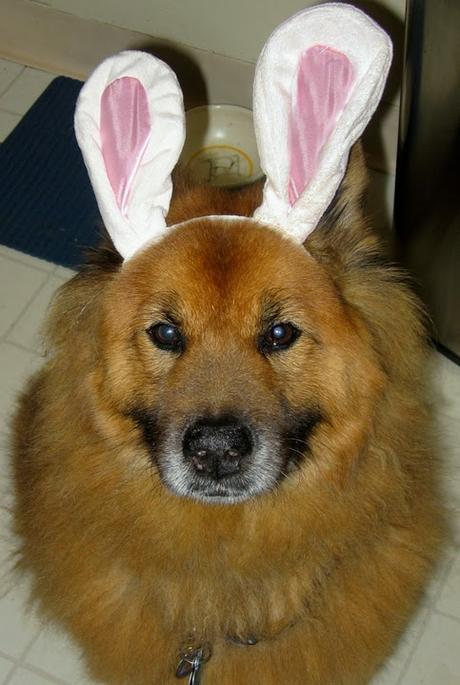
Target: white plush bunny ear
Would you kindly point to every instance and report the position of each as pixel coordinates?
(130, 126)
(318, 81)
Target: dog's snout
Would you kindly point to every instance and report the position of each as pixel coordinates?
(217, 447)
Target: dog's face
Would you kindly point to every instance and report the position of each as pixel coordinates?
(229, 346)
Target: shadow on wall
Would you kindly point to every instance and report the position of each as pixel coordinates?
(189, 73)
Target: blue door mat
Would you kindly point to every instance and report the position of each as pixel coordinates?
(47, 205)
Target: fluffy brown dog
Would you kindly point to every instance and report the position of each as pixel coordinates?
(229, 443)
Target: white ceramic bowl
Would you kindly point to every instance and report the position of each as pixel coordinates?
(220, 146)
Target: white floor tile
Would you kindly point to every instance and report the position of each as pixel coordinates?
(4, 458)
(446, 377)
(18, 626)
(53, 652)
(449, 599)
(449, 442)
(9, 71)
(18, 284)
(390, 673)
(16, 366)
(448, 429)
(63, 272)
(8, 122)
(27, 330)
(6, 499)
(436, 657)
(23, 676)
(453, 510)
(25, 90)
(452, 489)
(24, 258)
(5, 516)
(440, 574)
(7, 577)
(6, 667)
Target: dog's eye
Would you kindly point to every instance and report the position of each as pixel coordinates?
(166, 336)
(278, 337)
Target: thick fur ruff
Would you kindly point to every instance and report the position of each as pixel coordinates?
(326, 567)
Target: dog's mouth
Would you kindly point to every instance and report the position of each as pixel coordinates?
(222, 493)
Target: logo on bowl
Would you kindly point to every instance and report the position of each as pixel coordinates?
(221, 165)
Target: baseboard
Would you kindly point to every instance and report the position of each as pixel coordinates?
(62, 43)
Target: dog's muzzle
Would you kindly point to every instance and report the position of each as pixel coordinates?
(222, 458)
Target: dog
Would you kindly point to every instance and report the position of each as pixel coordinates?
(229, 446)
(225, 470)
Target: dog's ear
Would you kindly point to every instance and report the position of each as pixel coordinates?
(318, 81)
(343, 241)
(349, 200)
(130, 126)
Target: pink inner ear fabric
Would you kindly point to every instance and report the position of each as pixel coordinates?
(325, 79)
(125, 128)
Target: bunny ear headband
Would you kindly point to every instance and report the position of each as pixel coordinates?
(318, 81)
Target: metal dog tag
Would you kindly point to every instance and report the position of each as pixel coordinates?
(195, 677)
(191, 662)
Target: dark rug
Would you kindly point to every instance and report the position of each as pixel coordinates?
(47, 206)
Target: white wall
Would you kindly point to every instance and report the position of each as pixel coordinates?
(235, 28)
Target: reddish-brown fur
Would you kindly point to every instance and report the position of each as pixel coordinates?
(326, 569)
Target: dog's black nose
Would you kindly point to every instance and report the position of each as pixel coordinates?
(217, 446)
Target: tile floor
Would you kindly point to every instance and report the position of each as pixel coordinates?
(30, 654)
